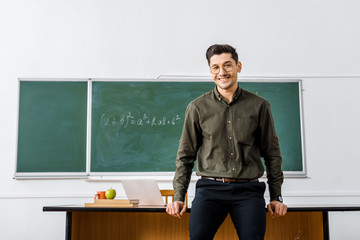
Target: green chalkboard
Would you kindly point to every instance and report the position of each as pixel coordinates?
(52, 127)
(136, 126)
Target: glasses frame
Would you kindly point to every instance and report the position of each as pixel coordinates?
(228, 67)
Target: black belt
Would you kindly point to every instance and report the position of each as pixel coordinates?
(231, 180)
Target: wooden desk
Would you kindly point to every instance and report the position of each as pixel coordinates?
(153, 223)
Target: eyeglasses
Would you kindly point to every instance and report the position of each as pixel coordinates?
(228, 67)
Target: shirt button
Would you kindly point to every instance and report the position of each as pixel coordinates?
(233, 169)
(230, 138)
(232, 154)
(229, 122)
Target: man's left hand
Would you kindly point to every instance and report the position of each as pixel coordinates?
(277, 209)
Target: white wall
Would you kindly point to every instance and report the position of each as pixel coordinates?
(313, 39)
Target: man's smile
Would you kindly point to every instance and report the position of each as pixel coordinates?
(224, 78)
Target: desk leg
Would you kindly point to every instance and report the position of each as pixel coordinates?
(326, 225)
(68, 225)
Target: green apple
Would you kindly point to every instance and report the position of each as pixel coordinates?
(110, 193)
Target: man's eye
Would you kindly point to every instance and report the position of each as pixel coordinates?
(215, 68)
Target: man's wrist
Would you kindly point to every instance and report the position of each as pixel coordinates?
(278, 198)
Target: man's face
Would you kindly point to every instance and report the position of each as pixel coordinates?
(224, 71)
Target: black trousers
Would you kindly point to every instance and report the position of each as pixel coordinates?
(214, 200)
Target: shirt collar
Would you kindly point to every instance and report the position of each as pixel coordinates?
(219, 97)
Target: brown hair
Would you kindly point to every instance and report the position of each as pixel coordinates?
(218, 49)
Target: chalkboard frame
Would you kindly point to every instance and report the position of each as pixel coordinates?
(162, 175)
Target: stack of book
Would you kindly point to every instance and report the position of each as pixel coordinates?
(114, 203)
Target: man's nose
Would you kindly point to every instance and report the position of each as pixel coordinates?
(222, 71)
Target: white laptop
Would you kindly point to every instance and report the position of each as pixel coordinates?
(146, 190)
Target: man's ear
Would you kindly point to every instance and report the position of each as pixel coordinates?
(239, 66)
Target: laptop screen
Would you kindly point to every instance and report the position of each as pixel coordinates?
(146, 190)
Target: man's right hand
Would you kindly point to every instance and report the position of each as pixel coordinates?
(176, 209)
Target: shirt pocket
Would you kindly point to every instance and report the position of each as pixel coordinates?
(245, 130)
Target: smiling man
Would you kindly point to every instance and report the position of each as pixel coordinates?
(227, 131)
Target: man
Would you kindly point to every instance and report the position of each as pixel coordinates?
(227, 130)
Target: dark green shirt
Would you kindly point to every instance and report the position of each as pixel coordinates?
(227, 140)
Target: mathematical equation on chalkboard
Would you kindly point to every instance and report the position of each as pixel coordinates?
(125, 120)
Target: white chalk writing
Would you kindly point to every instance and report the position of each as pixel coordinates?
(126, 120)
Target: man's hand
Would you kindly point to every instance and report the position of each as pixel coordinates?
(277, 209)
(176, 209)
